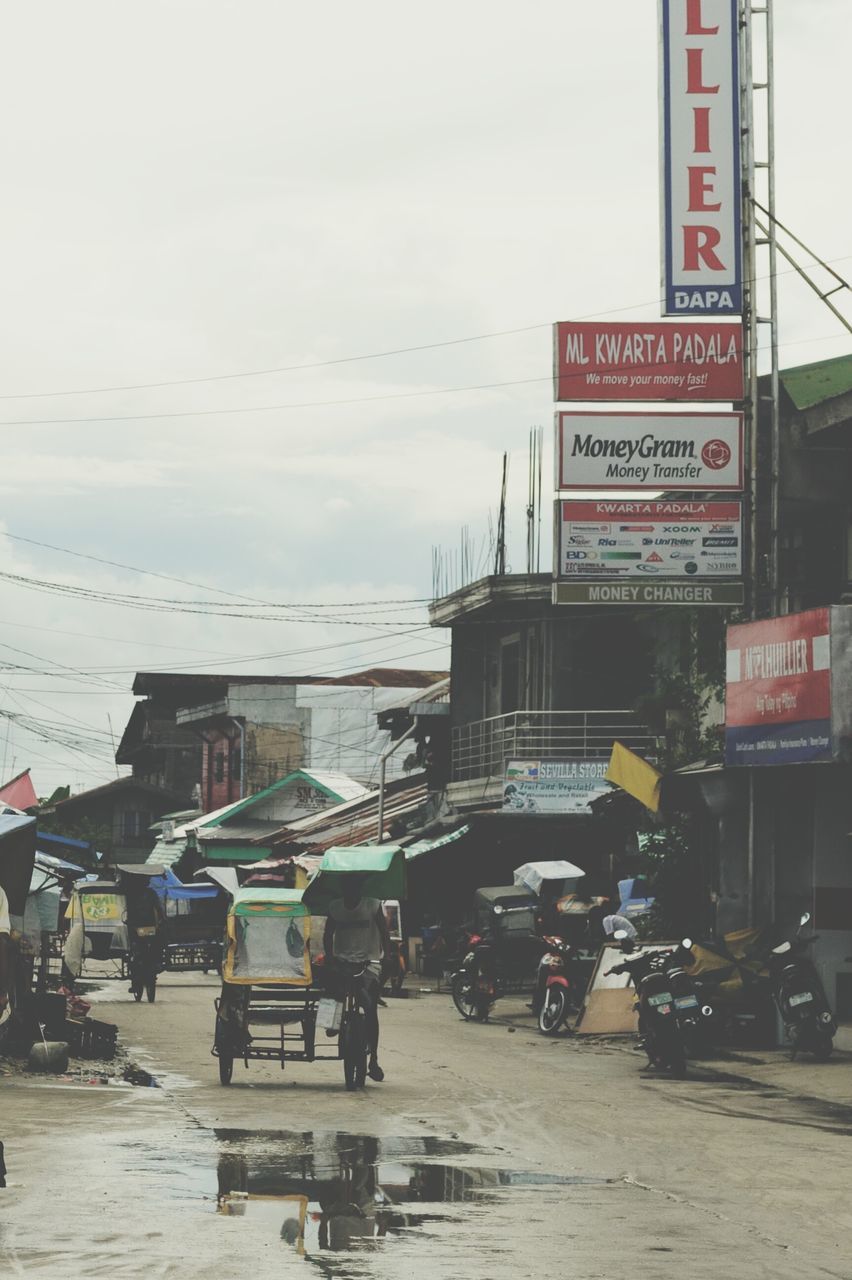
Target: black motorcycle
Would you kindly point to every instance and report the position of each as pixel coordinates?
(474, 984)
(695, 1015)
(800, 996)
(659, 1030)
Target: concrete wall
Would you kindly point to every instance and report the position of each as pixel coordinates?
(832, 866)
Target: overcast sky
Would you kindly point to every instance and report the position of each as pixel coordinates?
(194, 189)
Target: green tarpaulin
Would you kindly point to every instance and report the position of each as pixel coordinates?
(383, 867)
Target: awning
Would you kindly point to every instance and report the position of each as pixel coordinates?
(420, 847)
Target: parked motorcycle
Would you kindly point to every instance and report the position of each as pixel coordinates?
(554, 988)
(694, 1014)
(474, 984)
(800, 997)
(659, 1030)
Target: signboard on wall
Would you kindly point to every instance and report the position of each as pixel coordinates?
(553, 786)
(778, 690)
(693, 594)
(672, 451)
(645, 540)
(700, 158)
(647, 361)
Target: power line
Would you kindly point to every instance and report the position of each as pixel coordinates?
(312, 404)
(266, 408)
(185, 582)
(286, 368)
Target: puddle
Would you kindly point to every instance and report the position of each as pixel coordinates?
(342, 1193)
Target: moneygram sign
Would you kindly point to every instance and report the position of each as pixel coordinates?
(656, 361)
(678, 451)
(700, 158)
(642, 541)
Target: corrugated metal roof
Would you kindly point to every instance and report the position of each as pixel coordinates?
(340, 783)
(14, 820)
(355, 822)
(245, 830)
(811, 384)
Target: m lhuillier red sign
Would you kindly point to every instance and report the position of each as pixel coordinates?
(647, 361)
(778, 700)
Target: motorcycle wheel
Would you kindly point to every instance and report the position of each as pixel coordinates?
(676, 1060)
(482, 1009)
(463, 997)
(821, 1045)
(553, 1012)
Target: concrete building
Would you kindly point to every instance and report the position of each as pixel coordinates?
(223, 738)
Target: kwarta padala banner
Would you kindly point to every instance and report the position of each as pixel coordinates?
(674, 451)
(638, 360)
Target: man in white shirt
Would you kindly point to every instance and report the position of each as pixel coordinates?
(5, 943)
(356, 934)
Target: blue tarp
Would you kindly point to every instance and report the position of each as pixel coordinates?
(168, 886)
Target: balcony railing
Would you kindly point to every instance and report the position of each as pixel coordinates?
(481, 749)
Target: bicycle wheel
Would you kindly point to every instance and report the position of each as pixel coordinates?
(226, 1067)
(353, 1035)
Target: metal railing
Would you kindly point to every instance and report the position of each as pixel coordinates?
(480, 749)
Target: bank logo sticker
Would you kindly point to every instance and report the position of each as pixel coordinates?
(654, 558)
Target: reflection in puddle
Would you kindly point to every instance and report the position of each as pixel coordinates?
(339, 1192)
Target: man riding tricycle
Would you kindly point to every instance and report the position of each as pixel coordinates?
(277, 998)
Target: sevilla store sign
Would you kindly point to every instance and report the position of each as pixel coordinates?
(656, 361)
(700, 161)
(644, 540)
(677, 451)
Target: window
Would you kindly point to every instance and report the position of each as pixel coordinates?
(135, 824)
(510, 675)
(219, 767)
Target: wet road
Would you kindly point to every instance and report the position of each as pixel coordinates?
(486, 1153)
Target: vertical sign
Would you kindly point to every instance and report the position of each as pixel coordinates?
(700, 163)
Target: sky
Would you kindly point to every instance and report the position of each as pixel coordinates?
(195, 190)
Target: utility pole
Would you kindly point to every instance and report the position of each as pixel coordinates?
(757, 116)
(760, 255)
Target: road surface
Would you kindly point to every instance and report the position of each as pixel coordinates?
(488, 1152)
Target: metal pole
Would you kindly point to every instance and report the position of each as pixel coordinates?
(750, 350)
(775, 499)
(383, 760)
(749, 290)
